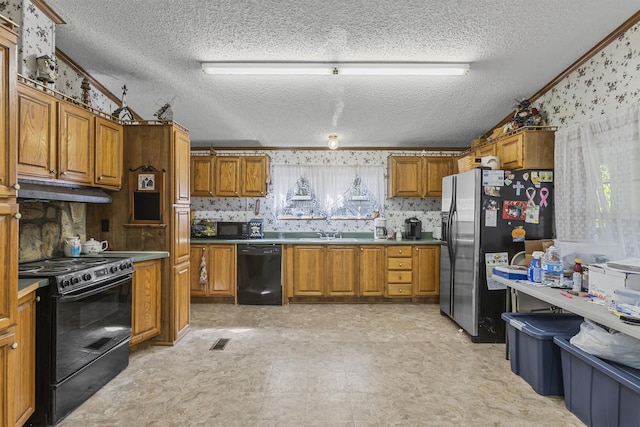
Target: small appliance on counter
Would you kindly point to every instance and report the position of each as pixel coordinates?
(204, 228)
(256, 228)
(379, 228)
(412, 228)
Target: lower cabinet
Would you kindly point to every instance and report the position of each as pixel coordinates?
(8, 360)
(145, 312)
(342, 270)
(371, 266)
(220, 267)
(181, 297)
(399, 271)
(426, 278)
(25, 360)
(309, 272)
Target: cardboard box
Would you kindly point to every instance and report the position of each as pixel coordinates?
(604, 280)
(530, 246)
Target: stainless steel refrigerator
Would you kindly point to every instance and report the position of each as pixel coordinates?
(487, 212)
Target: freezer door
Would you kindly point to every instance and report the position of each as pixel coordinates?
(465, 241)
(446, 258)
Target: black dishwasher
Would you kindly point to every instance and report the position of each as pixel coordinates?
(259, 274)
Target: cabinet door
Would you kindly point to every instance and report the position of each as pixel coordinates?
(9, 264)
(371, 268)
(76, 133)
(8, 146)
(227, 176)
(108, 159)
(485, 150)
(25, 375)
(404, 176)
(254, 176)
(202, 176)
(510, 152)
(222, 270)
(308, 270)
(435, 168)
(181, 298)
(182, 162)
(426, 267)
(181, 234)
(8, 360)
(197, 252)
(342, 270)
(145, 308)
(37, 137)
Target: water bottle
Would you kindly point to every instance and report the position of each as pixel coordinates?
(552, 267)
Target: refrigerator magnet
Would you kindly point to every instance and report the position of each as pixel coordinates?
(535, 179)
(514, 210)
(492, 191)
(518, 234)
(532, 214)
(546, 176)
(525, 176)
(492, 178)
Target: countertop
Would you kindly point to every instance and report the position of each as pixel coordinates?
(26, 286)
(272, 238)
(581, 305)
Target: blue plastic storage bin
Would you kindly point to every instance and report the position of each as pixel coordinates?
(598, 392)
(533, 354)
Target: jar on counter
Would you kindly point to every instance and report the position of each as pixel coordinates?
(577, 275)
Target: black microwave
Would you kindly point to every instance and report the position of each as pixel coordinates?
(232, 230)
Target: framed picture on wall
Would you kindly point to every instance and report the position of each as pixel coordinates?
(146, 197)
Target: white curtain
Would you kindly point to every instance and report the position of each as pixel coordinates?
(597, 170)
(328, 182)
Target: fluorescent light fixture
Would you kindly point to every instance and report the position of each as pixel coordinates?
(345, 68)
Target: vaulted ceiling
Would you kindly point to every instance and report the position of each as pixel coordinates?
(156, 48)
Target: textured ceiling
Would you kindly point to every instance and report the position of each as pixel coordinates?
(155, 47)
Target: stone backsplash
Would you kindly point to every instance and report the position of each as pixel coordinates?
(44, 225)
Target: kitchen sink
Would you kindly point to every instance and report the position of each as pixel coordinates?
(327, 239)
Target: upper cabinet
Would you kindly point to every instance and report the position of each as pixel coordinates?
(60, 140)
(229, 176)
(181, 175)
(417, 176)
(8, 60)
(531, 149)
(202, 168)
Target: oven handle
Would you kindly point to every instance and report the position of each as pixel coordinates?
(84, 294)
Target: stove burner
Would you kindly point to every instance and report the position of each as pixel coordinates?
(54, 269)
(28, 269)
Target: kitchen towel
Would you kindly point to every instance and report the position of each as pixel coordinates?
(204, 279)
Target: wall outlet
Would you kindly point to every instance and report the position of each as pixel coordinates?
(104, 227)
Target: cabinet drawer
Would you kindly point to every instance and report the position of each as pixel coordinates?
(399, 263)
(399, 251)
(396, 289)
(399, 276)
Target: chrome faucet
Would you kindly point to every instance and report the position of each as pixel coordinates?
(322, 235)
(338, 235)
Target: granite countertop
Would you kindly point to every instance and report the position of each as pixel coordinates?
(313, 239)
(26, 286)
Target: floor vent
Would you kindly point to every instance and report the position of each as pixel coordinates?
(220, 344)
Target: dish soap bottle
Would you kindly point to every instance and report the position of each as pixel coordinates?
(534, 273)
(577, 275)
(552, 267)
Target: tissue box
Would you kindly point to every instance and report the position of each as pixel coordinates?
(604, 280)
(513, 272)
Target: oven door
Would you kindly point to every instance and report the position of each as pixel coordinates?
(89, 324)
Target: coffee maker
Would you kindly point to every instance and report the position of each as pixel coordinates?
(413, 228)
(379, 228)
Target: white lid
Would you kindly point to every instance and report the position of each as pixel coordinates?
(537, 254)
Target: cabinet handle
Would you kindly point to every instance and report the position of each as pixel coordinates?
(100, 178)
(14, 345)
(203, 249)
(399, 290)
(63, 173)
(37, 299)
(53, 171)
(400, 265)
(361, 249)
(16, 186)
(17, 215)
(400, 251)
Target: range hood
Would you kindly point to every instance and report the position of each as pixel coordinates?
(60, 191)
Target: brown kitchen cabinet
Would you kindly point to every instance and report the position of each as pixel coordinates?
(399, 271)
(342, 270)
(309, 270)
(241, 176)
(37, 133)
(181, 316)
(8, 360)
(371, 266)
(145, 304)
(426, 270)
(417, 176)
(528, 149)
(202, 179)
(76, 130)
(181, 163)
(108, 154)
(25, 357)
(485, 150)
(220, 261)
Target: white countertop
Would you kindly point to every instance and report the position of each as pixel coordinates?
(579, 305)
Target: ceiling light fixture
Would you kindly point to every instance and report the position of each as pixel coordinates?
(333, 142)
(331, 68)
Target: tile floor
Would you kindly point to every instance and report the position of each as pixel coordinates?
(321, 365)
